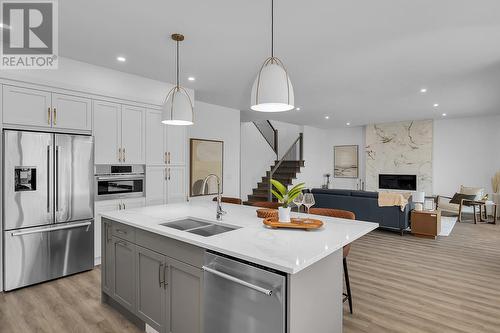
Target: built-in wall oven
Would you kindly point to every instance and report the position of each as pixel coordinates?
(119, 181)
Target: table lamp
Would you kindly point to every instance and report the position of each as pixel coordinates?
(418, 199)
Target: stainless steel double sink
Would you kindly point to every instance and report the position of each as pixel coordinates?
(199, 227)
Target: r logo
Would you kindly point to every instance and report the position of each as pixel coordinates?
(30, 28)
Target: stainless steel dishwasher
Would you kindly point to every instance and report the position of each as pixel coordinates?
(242, 297)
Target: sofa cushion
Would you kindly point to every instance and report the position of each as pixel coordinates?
(332, 191)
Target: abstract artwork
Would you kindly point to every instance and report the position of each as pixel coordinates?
(206, 158)
(345, 161)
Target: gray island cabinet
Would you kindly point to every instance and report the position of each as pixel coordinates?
(152, 279)
(243, 278)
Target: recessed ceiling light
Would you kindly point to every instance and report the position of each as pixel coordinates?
(191, 78)
(436, 105)
(327, 117)
(444, 114)
(4, 26)
(298, 109)
(423, 90)
(121, 59)
(348, 124)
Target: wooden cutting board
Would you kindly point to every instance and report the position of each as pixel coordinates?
(296, 223)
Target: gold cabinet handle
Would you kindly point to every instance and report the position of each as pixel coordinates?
(123, 149)
(165, 158)
(55, 116)
(48, 116)
(119, 154)
(168, 157)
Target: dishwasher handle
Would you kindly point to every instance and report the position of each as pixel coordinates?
(265, 291)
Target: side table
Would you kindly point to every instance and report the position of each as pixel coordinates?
(426, 223)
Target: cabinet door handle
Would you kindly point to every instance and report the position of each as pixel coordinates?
(165, 283)
(55, 116)
(119, 154)
(48, 116)
(124, 207)
(159, 275)
(165, 158)
(168, 157)
(123, 154)
(168, 173)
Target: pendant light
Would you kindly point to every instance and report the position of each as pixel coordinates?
(177, 107)
(272, 90)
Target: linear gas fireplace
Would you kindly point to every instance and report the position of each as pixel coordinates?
(397, 182)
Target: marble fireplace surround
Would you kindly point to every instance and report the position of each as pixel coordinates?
(400, 148)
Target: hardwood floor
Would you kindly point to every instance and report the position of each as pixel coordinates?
(399, 284)
(408, 284)
(72, 304)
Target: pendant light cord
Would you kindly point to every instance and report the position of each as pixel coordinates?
(272, 28)
(177, 63)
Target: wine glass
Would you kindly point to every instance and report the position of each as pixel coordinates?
(308, 201)
(299, 201)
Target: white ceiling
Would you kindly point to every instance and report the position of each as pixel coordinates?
(358, 61)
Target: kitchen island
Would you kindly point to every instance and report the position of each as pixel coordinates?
(246, 278)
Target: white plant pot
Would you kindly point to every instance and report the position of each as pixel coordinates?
(284, 214)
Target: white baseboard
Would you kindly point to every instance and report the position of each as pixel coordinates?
(97, 261)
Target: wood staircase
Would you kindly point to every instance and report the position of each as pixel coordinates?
(286, 172)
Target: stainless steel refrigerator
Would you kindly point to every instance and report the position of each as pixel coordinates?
(48, 206)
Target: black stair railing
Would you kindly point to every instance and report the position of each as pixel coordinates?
(269, 133)
(297, 145)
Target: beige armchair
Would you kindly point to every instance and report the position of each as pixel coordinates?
(444, 204)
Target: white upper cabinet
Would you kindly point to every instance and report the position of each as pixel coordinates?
(119, 133)
(71, 112)
(27, 107)
(39, 108)
(133, 135)
(107, 132)
(176, 144)
(155, 138)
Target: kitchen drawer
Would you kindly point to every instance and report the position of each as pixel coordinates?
(187, 253)
(123, 231)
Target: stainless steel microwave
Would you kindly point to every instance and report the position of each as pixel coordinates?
(119, 181)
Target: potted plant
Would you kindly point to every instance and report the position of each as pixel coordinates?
(285, 197)
(495, 184)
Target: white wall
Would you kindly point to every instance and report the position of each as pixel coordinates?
(287, 134)
(256, 158)
(214, 122)
(316, 157)
(84, 77)
(466, 152)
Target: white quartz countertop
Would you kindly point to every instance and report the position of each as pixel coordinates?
(286, 250)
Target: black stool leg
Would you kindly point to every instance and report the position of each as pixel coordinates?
(347, 284)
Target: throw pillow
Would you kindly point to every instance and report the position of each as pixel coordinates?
(477, 191)
(457, 198)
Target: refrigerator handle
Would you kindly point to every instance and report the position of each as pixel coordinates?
(57, 178)
(48, 179)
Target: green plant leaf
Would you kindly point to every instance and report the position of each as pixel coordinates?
(294, 196)
(277, 195)
(280, 187)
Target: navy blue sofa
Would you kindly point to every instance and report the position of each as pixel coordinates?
(365, 205)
